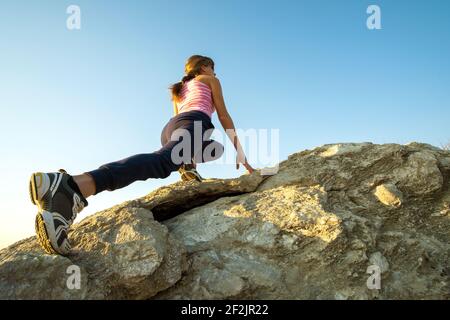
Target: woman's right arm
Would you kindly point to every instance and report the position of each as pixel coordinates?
(227, 122)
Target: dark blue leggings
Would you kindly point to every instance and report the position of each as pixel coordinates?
(161, 163)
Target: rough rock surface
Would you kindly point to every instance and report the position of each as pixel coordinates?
(311, 231)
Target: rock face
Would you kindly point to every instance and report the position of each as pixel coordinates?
(389, 194)
(330, 224)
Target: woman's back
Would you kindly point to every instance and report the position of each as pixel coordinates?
(196, 95)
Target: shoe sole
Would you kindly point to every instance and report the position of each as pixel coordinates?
(42, 235)
(188, 176)
(43, 219)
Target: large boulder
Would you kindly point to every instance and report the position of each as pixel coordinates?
(341, 221)
(119, 253)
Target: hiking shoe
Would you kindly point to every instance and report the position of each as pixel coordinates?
(188, 173)
(58, 207)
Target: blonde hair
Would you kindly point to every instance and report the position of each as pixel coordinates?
(192, 68)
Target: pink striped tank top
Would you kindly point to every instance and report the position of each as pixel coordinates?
(196, 95)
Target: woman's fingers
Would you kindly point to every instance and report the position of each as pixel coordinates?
(248, 167)
(243, 160)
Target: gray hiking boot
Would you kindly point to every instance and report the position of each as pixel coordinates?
(58, 207)
(188, 173)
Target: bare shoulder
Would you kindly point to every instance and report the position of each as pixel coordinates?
(207, 79)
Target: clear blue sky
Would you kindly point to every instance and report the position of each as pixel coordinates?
(312, 69)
